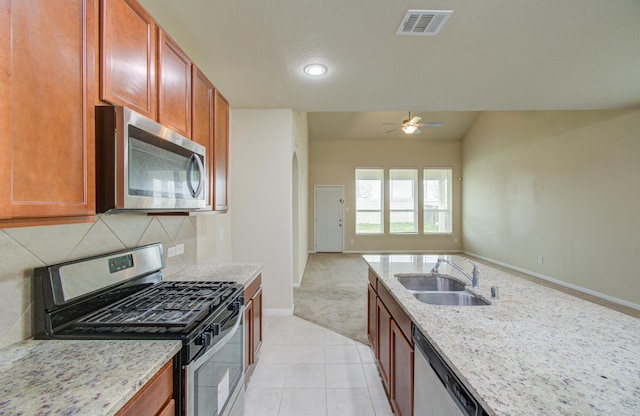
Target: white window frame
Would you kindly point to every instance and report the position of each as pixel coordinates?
(445, 211)
(404, 174)
(370, 174)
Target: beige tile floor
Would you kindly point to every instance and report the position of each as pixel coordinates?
(306, 370)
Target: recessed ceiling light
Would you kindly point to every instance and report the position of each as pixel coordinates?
(315, 70)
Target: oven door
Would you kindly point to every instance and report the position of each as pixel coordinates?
(215, 380)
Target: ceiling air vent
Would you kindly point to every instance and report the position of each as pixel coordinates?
(423, 22)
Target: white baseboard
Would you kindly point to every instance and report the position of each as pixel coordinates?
(304, 266)
(402, 251)
(558, 282)
(286, 311)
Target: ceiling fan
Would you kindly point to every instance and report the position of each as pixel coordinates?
(410, 125)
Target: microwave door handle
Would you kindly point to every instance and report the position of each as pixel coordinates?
(195, 159)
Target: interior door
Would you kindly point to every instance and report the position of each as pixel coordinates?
(328, 230)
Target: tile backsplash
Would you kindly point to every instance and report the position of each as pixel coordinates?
(23, 249)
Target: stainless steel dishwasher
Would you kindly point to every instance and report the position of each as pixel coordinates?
(437, 391)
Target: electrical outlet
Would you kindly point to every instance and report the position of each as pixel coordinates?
(179, 249)
(540, 260)
(171, 251)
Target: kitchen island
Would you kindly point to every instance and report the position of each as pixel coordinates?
(536, 350)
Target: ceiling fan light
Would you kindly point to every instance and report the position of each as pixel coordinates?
(409, 129)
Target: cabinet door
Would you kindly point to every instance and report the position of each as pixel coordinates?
(128, 57)
(384, 342)
(47, 55)
(174, 86)
(372, 324)
(202, 96)
(401, 373)
(248, 320)
(169, 409)
(221, 152)
(154, 398)
(256, 330)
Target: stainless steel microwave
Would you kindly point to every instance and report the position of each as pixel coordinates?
(144, 166)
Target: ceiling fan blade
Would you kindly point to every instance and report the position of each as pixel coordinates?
(415, 120)
(391, 130)
(417, 131)
(431, 124)
(391, 124)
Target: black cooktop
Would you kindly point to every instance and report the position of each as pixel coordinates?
(166, 307)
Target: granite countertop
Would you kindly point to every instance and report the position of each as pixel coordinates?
(77, 377)
(242, 273)
(536, 350)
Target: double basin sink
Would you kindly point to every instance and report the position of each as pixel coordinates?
(437, 289)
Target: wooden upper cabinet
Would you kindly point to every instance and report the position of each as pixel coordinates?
(128, 37)
(47, 56)
(221, 152)
(202, 131)
(174, 86)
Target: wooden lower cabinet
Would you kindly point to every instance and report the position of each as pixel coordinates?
(256, 327)
(384, 342)
(252, 321)
(402, 365)
(155, 398)
(372, 326)
(248, 318)
(390, 334)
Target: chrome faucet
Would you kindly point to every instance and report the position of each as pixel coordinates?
(474, 277)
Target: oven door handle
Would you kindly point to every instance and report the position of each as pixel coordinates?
(219, 344)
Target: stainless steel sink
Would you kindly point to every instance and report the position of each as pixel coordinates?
(451, 298)
(429, 282)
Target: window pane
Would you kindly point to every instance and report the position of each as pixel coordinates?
(402, 222)
(369, 194)
(369, 199)
(402, 194)
(402, 200)
(437, 201)
(368, 222)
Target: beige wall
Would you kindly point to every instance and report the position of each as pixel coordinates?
(260, 196)
(558, 184)
(300, 197)
(333, 163)
(23, 249)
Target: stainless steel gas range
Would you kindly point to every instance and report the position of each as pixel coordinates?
(121, 295)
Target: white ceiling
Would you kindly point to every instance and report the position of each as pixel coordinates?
(490, 55)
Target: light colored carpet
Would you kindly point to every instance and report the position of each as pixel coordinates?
(333, 294)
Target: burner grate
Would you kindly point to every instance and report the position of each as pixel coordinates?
(162, 306)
